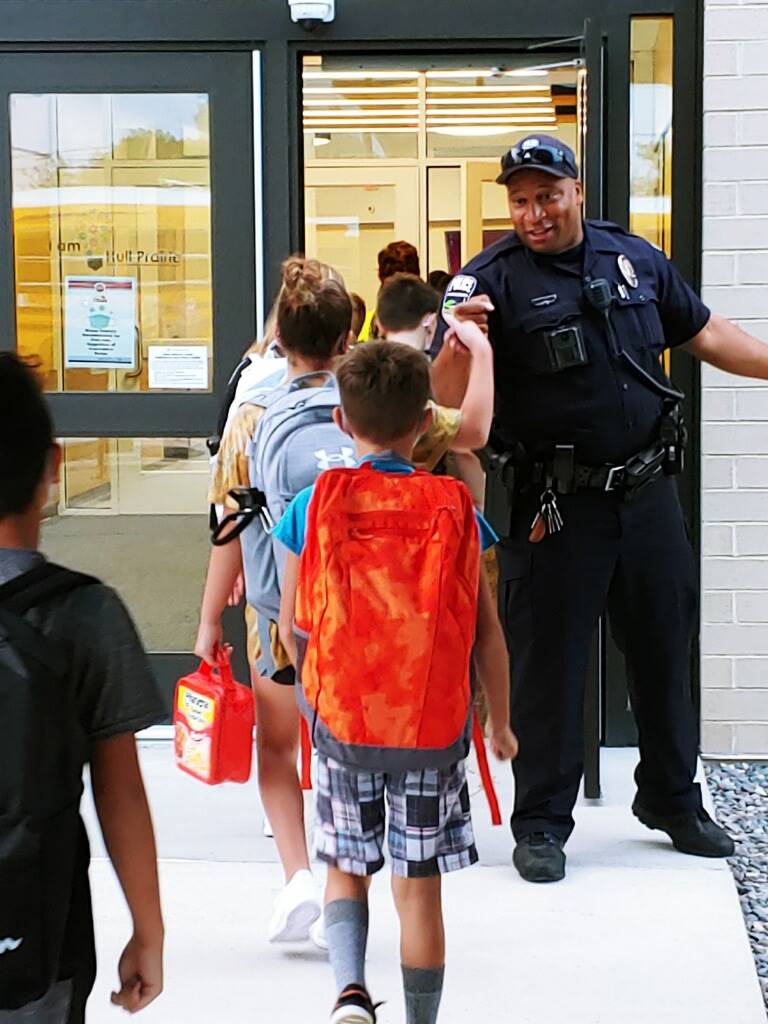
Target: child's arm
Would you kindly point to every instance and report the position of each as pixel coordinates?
(492, 664)
(288, 606)
(450, 369)
(121, 803)
(224, 568)
(477, 406)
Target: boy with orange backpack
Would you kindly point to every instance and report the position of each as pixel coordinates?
(383, 600)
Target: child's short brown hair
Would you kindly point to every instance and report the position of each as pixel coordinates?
(384, 390)
(403, 302)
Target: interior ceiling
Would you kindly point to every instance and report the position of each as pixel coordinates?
(354, 101)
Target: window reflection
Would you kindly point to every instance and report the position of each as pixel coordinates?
(107, 188)
(124, 510)
(650, 211)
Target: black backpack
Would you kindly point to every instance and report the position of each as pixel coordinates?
(41, 753)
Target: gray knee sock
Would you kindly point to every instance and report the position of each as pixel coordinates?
(423, 989)
(346, 932)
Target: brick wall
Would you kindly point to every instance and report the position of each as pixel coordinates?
(734, 639)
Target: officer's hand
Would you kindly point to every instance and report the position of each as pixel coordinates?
(504, 743)
(475, 309)
(466, 334)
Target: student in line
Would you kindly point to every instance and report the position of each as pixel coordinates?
(75, 687)
(314, 314)
(384, 586)
(406, 313)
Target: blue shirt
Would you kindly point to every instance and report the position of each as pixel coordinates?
(292, 528)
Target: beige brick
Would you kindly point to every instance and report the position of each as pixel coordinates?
(751, 539)
(734, 507)
(735, 233)
(751, 672)
(718, 607)
(734, 705)
(751, 606)
(752, 471)
(752, 197)
(750, 58)
(734, 574)
(752, 404)
(718, 540)
(751, 738)
(735, 438)
(721, 164)
(744, 23)
(717, 474)
(721, 130)
(717, 673)
(722, 59)
(738, 301)
(720, 267)
(752, 267)
(716, 738)
(752, 128)
(738, 93)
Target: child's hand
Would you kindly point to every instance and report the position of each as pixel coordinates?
(465, 334)
(504, 743)
(141, 975)
(209, 640)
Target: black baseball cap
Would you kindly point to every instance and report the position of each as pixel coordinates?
(542, 153)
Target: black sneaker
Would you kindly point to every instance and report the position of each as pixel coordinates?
(354, 1006)
(693, 832)
(539, 857)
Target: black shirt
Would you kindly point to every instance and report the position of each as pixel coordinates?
(115, 694)
(601, 407)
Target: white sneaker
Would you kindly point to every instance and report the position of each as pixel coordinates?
(295, 910)
(317, 934)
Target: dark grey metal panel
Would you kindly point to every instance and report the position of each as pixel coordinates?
(227, 80)
(245, 21)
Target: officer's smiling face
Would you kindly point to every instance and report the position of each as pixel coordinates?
(545, 210)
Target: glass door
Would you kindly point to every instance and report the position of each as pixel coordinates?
(129, 210)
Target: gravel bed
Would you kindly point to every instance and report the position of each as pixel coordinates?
(740, 792)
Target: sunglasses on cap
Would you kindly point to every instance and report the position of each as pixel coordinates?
(556, 160)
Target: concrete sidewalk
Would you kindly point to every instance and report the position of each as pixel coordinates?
(637, 934)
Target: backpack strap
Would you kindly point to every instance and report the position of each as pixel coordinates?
(485, 771)
(27, 591)
(39, 584)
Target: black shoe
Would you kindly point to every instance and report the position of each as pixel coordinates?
(693, 832)
(354, 1006)
(539, 857)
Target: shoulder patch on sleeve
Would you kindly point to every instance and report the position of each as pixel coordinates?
(461, 288)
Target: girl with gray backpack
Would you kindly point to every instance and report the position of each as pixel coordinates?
(276, 444)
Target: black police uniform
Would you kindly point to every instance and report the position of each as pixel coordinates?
(560, 380)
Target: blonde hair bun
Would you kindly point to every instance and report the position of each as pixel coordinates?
(303, 280)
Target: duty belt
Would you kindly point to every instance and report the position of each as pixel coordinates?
(566, 476)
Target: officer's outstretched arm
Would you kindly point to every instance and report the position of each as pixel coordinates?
(726, 346)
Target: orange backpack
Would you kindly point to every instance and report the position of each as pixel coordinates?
(386, 610)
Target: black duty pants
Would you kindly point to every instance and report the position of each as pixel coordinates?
(635, 559)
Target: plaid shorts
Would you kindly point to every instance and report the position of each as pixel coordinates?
(430, 826)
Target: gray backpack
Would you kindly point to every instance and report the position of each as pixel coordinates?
(294, 441)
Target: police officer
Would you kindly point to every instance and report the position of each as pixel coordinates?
(587, 438)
